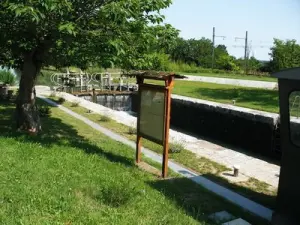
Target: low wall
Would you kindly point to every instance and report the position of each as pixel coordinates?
(243, 128)
(117, 101)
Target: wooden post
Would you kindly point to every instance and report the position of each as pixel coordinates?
(81, 81)
(94, 97)
(169, 85)
(101, 82)
(138, 149)
(138, 136)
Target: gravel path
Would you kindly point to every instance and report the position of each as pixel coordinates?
(236, 82)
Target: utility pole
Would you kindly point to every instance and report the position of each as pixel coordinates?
(246, 51)
(213, 47)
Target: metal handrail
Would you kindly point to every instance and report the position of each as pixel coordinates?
(297, 97)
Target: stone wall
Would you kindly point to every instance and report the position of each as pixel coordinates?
(117, 101)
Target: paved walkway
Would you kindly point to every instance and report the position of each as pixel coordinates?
(231, 196)
(236, 82)
(249, 166)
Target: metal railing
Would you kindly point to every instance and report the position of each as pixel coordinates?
(293, 105)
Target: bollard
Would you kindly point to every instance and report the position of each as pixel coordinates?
(236, 170)
(94, 96)
(10, 94)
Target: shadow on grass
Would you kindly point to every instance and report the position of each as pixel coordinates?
(250, 192)
(267, 200)
(264, 99)
(55, 132)
(196, 201)
(190, 197)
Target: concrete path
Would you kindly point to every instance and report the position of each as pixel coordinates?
(249, 166)
(224, 216)
(236, 82)
(231, 196)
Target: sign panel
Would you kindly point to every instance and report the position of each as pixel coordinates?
(152, 113)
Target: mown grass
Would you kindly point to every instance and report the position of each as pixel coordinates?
(72, 174)
(253, 98)
(253, 189)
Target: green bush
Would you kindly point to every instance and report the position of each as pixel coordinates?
(176, 147)
(94, 69)
(44, 78)
(160, 62)
(105, 118)
(44, 111)
(75, 104)
(185, 68)
(61, 100)
(132, 130)
(7, 77)
(53, 94)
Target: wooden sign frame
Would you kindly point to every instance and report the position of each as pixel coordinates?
(166, 89)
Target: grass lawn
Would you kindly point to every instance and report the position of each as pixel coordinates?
(234, 76)
(254, 98)
(253, 189)
(71, 174)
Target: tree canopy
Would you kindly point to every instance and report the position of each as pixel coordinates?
(193, 51)
(76, 33)
(285, 54)
(35, 33)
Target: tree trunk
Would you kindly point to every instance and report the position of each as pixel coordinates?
(27, 112)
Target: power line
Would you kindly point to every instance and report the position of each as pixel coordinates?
(213, 47)
(246, 50)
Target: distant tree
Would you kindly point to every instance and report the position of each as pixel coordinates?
(223, 60)
(193, 51)
(253, 64)
(285, 54)
(265, 67)
(221, 49)
(180, 51)
(226, 62)
(146, 51)
(41, 32)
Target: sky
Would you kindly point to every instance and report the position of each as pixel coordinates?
(263, 19)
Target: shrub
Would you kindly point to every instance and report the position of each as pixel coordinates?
(44, 111)
(116, 80)
(61, 100)
(53, 94)
(160, 62)
(44, 78)
(75, 104)
(117, 195)
(94, 69)
(10, 94)
(105, 118)
(176, 147)
(7, 77)
(132, 130)
(185, 68)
